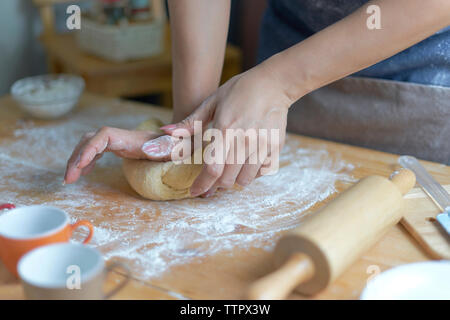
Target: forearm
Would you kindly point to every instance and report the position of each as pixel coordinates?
(349, 46)
(199, 31)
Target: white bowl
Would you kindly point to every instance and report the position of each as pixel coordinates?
(415, 281)
(48, 96)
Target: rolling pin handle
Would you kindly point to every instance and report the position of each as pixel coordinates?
(277, 285)
(404, 179)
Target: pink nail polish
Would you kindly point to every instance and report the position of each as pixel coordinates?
(168, 127)
(159, 147)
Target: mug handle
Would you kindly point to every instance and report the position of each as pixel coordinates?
(110, 268)
(7, 206)
(86, 224)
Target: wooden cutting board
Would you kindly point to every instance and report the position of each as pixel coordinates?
(420, 221)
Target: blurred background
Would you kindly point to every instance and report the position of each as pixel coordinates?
(34, 40)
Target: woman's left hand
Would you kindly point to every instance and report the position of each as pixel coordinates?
(252, 100)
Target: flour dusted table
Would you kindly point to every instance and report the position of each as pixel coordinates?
(222, 275)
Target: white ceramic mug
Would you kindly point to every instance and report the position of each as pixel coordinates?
(66, 271)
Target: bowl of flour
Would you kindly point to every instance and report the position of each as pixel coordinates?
(48, 96)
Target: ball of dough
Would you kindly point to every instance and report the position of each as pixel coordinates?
(160, 180)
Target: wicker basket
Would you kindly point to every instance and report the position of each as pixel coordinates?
(121, 43)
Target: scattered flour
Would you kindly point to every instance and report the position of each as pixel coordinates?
(153, 236)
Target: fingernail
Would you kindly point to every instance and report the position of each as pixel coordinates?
(150, 147)
(64, 182)
(196, 192)
(158, 147)
(168, 127)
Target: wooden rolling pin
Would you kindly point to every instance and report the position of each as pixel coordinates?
(314, 254)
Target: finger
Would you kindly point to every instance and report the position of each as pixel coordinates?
(227, 180)
(233, 165)
(128, 144)
(239, 148)
(266, 164)
(74, 158)
(124, 143)
(210, 192)
(72, 171)
(229, 176)
(206, 179)
(271, 162)
(89, 147)
(91, 165)
(248, 173)
(96, 145)
(214, 156)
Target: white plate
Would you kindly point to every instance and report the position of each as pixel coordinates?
(416, 281)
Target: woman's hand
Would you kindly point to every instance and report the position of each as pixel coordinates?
(123, 143)
(252, 100)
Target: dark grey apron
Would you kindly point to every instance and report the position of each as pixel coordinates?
(391, 116)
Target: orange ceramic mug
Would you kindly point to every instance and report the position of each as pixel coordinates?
(26, 228)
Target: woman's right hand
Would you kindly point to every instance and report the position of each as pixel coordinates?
(123, 143)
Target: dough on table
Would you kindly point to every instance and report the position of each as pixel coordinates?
(160, 180)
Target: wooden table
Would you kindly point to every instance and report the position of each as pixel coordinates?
(224, 275)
